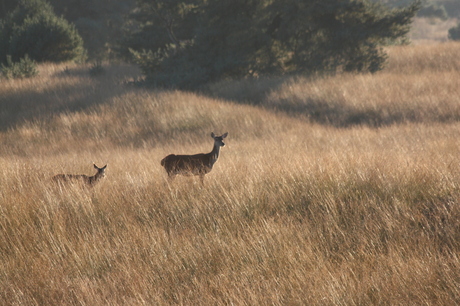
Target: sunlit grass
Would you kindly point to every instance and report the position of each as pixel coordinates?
(302, 207)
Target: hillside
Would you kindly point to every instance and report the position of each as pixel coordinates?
(330, 190)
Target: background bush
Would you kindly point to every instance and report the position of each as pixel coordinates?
(33, 29)
(24, 68)
(454, 33)
(235, 39)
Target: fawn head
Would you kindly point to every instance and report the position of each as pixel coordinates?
(100, 171)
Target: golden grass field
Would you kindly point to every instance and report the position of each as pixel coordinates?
(339, 190)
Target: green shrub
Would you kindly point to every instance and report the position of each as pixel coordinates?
(47, 38)
(33, 29)
(454, 33)
(24, 68)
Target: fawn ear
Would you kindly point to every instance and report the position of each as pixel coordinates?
(212, 135)
(224, 135)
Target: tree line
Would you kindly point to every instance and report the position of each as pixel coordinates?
(198, 41)
(191, 42)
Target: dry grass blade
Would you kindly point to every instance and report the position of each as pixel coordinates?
(340, 191)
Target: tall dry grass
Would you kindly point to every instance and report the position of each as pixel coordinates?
(304, 206)
(420, 84)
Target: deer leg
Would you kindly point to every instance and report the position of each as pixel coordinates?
(171, 177)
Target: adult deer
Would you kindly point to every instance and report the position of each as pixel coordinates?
(198, 164)
(82, 178)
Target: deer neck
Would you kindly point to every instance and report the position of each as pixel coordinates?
(214, 155)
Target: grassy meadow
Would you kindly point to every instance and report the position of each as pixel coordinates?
(338, 190)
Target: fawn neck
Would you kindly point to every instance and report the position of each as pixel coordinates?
(100, 174)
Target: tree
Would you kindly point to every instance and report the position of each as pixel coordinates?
(239, 38)
(6, 6)
(99, 23)
(33, 29)
(334, 34)
(158, 24)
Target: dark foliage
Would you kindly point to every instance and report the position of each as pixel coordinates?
(194, 42)
(24, 68)
(454, 33)
(99, 22)
(33, 29)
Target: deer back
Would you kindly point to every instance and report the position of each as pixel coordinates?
(71, 177)
(193, 164)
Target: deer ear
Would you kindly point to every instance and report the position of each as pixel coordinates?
(95, 166)
(212, 135)
(225, 135)
(104, 167)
